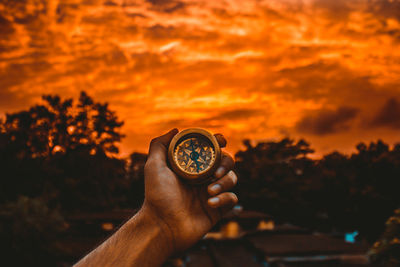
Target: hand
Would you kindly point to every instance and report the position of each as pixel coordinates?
(173, 217)
(185, 212)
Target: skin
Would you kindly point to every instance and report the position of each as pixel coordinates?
(174, 215)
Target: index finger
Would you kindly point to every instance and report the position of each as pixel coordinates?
(221, 140)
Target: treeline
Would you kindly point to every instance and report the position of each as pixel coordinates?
(60, 158)
(338, 193)
(65, 154)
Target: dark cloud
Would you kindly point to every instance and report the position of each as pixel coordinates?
(327, 121)
(335, 9)
(388, 115)
(5, 26)
(324, 80)
(161, 32)
(110, 3)
(385, 8)
(237, 114)
(168, 6)
(185, 123)
(213, 121)
(17, 73)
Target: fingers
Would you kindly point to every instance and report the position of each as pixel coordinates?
(221, 140)
(225, 200)
(224, 184)
(226, 165)
(159, 146)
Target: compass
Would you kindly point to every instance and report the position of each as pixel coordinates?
(194, 155)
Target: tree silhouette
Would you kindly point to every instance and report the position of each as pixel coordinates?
(386, 251)
(58, 126)
(337, 193)
(57, 159)
(63, 153)
(271, 177)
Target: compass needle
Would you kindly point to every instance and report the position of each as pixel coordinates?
(194, 154)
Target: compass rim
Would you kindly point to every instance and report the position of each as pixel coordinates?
(194, 178)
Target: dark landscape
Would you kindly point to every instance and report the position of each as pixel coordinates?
(63, 190)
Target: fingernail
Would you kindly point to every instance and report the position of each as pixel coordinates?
(213, 201)
(215, 189)
(220, 171)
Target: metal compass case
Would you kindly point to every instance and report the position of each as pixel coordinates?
(194, 155)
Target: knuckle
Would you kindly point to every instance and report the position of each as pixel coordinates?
(154, 141)
(228, 160)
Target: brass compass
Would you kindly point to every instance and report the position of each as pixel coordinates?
(194, 155)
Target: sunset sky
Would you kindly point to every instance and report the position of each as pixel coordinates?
(324, 70)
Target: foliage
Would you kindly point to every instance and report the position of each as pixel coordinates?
(58, 157)
(58, 126)
(63, 153)
(271, 176)
(386, 251)
(336, 193)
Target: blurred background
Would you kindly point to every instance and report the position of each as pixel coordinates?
(307, 92)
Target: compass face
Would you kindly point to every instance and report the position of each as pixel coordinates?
(194, 154)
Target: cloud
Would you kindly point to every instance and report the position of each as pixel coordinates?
(168, 6)
(325, 122)
(385, 8)
(250, 69)
(388, 115)
(238, 114)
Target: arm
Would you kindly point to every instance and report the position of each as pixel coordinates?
(173, 217)
(139, 242)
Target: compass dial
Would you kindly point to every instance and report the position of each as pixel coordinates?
(194, 154)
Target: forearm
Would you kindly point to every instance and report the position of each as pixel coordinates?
(139, 242)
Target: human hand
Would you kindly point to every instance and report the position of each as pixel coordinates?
(185, 212)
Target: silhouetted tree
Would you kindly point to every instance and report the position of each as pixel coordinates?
(58, 126)
(386, 251)
(375, 179)
(271, 177)
(336, 193)
(63, 153)
(57, 158)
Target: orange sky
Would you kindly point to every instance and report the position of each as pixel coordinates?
(324, 70)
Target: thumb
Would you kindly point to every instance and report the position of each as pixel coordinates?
(159, 146)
